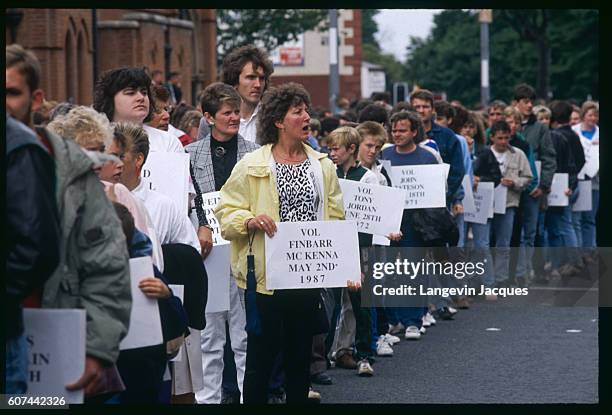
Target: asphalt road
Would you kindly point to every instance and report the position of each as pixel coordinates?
(530, 358)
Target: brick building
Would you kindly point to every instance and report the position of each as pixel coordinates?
(171, 40)
(313, 71)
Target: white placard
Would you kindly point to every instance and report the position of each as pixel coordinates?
(56, 351)
(559, 185)
(179, 291)
(499, 199)
(584, 203)
(468, 194)
(373, 207)
(380, 240)
(168, 173)
(425, 185)
(322, 254)
(483, 203)
(218, 269)
(591, 164)
(145, 323)
(209, 202)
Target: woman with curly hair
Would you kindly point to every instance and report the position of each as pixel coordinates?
(283, 181)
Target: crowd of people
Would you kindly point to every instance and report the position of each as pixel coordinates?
(78, 210)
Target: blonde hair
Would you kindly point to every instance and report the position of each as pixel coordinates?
(344, 136)
(86, 126)
(372, 129)
(541, 108)
(587, 106)
(513, 112)
(134, 138)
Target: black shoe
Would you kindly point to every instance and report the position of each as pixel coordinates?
(444, 314)
(232, 398)
(321, 379)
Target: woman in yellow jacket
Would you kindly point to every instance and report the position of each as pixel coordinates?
(284, 180)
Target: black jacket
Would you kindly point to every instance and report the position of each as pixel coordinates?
(32, 220)
(570, 154)
(487, 168)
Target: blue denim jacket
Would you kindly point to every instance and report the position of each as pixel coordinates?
(450, 150)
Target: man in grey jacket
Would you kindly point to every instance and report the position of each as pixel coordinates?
(538, 137)
(93, 270)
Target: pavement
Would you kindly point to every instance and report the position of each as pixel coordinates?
(491, 353)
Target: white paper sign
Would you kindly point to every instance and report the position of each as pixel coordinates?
(145, 323)
(373, 207)
(591, 165)
(322, 254)
(557, 196)
(56, 351)
(209, 202)
(179, 291)
(483, 203)
(425, 185)
(217, 265)
(468, 194)
(500, 199)
(168, 173)
(584, 203)
(380, 240)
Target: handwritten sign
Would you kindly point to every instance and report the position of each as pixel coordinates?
(483, 203)
(56, 351)
(584, 203)
(209, 202)
(321, 254)
(559, 185)
(145, 323)
(373, 207)
(168, 173)
(425, 185)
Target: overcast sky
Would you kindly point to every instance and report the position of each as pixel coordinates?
(395, 26)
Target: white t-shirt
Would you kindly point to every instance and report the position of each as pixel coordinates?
(163, 141)
(248, 128)
(501, 160)
(171, 225)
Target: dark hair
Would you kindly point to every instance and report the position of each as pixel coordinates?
(217, 94)
(381, 96)
(62, 108)
(361, 104)
(459, 119)
(374, 112)
(402, 106)
(177, 113)
(349, 116)
(26, 63)
(127, 222)
(239, 57)
(115, 80)
(499, 104)
(172, 75)
(160, 93)
(444, 109)
(415, 123)
(423, 94)
(275, 104)
(500, 126)
(560, 112)
(328, 125)
(524, 91)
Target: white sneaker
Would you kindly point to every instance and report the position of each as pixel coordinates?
(412, 333)
(398, 328)
(364, 368)
(430, 319)
(452, 310)
(383, 348)
(425, 323)
(391, 339)
(422, 330)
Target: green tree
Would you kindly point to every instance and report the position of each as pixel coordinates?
(369, 27)
(267, 28)
(449, 58)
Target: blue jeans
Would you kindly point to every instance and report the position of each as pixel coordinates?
(560, 233)
(502, 227)
(16, 365)
(529, 226)
(585, 224)
(481, 243)
(462, 230)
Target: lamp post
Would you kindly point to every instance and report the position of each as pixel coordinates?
(485, 17)
(334, 76)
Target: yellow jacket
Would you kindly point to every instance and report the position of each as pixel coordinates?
(251, 191)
